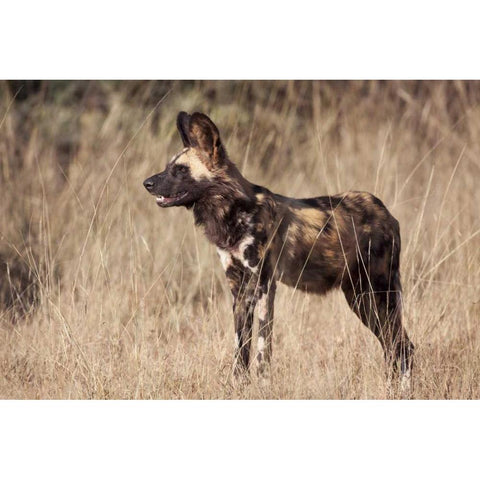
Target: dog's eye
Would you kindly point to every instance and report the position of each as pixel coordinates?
(181, 169)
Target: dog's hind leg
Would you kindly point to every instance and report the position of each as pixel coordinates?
(380, 310)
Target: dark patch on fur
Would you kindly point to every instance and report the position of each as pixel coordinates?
(251, 255)
(220, 219)
(378, 202)
(323, 203)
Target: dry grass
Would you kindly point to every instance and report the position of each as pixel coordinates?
(105, 296)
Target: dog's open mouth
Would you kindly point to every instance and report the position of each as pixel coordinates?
(164, 201)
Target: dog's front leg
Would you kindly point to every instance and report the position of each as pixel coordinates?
(243, 308)
(265, 326)
(242, 285)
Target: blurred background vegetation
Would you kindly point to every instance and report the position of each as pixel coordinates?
(54, 111)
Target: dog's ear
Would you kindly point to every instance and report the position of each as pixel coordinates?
(204, 135)
(183, 122)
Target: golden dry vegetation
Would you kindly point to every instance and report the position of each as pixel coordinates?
(104, 295)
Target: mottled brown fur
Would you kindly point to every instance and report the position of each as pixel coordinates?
(348, 241)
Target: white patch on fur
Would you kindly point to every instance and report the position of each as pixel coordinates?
(225, 258)
(198, 169)
(239, 253)
(261, 345)
(406, 382)
(237, 341)
(262, 307)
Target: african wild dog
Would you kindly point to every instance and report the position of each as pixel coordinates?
(348, 240)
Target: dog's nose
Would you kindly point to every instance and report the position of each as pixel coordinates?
(148, 184)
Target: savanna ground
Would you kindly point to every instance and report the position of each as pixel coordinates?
(104, 295)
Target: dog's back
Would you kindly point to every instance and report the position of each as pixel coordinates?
(331, 241)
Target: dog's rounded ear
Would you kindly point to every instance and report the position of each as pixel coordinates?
(204, 135)
(183, 125)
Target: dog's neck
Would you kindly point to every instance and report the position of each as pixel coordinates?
(225, 218)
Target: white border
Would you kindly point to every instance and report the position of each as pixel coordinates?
(239, 439)
(248, 40)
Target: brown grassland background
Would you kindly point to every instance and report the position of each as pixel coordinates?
(104, 295)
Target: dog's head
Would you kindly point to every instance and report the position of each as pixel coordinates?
(190, 173)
